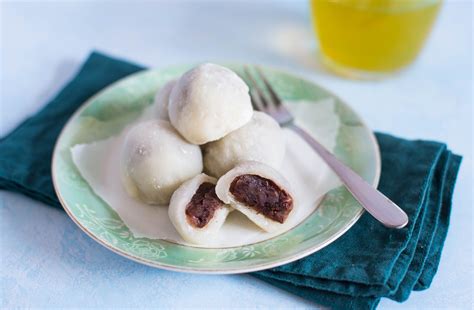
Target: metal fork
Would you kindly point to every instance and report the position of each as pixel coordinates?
(376, 203)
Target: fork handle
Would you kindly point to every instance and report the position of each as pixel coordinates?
(376, 203)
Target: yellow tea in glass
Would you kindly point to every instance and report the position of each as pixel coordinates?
(371, 38)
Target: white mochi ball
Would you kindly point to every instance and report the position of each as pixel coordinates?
(208, 102)
(184, 199)
(160, 104)
(155, 160)
(261, 139)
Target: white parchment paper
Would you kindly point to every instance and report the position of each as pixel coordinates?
(308, 175)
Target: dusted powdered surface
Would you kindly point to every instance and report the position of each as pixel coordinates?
(208, 102)
(263, 195)
(261, 139)
(155, 160)
(204, 203)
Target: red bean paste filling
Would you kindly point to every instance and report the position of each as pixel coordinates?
(263, 195)
(204, 203)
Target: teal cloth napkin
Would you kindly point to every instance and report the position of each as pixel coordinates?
(367, 263)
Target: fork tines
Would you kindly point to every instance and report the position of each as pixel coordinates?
(271, 103)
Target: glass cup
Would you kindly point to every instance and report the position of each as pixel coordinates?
(369, 39)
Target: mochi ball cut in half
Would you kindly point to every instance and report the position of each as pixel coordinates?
(196, 212)
(208, 102)
(260, 192)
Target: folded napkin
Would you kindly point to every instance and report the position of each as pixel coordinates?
(371, 261)
(367, 263)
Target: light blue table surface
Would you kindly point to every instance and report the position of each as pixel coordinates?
(46, 261)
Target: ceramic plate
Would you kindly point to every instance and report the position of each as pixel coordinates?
(108, 112)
